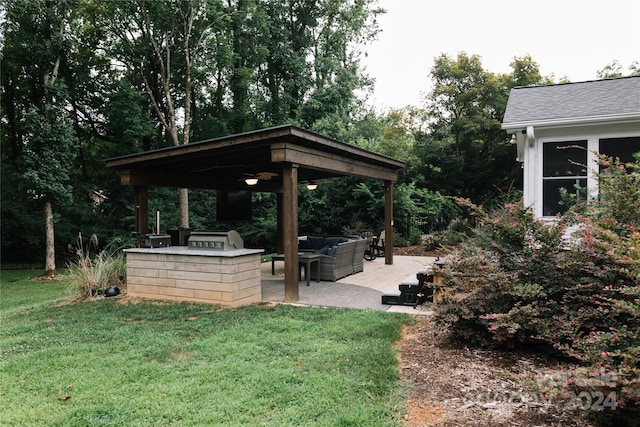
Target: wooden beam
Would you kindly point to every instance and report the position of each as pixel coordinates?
(200, 147)
(345, 148)
(154, 178)
(290, 232)
(334, 163)
(388, 222)
(160, 179)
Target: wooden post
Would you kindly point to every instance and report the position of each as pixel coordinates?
(290, 232)
(388, 222)
(142, 209)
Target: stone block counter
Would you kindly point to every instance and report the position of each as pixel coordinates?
(177, 273)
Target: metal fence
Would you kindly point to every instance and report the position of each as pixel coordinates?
(25, 261)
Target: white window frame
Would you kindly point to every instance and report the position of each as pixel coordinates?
(541, 178)
(592, 136)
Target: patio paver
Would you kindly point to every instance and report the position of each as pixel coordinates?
(359, 291)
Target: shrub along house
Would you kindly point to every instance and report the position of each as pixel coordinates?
(559, 129)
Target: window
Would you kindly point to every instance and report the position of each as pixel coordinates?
(622, 148)
(564, 175)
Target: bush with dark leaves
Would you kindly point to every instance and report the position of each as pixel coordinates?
(522, 282)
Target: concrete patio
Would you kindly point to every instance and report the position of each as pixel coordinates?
(359, 291)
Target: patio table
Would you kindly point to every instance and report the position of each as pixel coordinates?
(304, 260)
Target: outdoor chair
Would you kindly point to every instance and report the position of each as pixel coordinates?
(368, 252)
(358, 256)
(337, 264)
(377, 248)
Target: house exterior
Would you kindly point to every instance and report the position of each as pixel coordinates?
(559, 129)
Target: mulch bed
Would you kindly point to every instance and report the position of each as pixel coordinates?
(453, 385)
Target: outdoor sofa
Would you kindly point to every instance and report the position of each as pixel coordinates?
(340, 256)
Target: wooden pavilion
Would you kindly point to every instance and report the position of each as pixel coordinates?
(286, 155)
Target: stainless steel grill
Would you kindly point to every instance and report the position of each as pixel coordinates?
(216, 240)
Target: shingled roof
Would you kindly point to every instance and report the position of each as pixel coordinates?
(573, 103)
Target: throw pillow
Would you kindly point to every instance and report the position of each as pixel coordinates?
(332, 251)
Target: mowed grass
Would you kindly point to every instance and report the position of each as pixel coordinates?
(18, 293)
(110, 362)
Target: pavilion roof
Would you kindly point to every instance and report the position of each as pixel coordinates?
(224, 163)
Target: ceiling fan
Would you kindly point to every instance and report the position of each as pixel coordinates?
(253, 178)
(313, 184)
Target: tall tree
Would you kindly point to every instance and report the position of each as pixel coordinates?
(614, 69)
(162, 42)
(343, 28)
(525, 72)
(41, 140)
(466, 153)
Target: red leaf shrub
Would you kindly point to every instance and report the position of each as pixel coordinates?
(518, 281)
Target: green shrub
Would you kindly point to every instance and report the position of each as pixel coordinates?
(93, 274)
(453, 235)
(399, 241)
(415, 240)
(431, 242)
(518, 281)
(499, 275)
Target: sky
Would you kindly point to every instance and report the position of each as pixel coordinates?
(572, 38)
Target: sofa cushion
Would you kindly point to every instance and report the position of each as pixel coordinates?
(322, 251)
(315, 242)
(304, 244)
(333, 241)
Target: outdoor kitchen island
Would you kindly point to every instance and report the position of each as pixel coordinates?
(181, 273)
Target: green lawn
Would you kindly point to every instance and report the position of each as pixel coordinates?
(155, 364)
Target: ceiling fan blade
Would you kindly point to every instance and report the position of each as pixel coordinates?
(266, 175)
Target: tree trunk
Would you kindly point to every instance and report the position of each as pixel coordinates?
(50, 258)
(184, 207)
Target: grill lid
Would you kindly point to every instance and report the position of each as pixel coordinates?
(216, 240)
